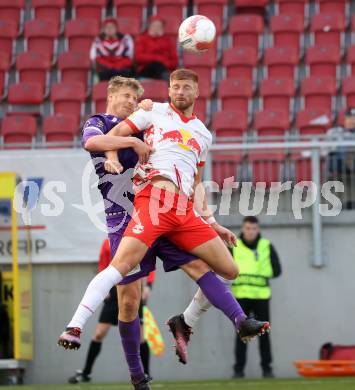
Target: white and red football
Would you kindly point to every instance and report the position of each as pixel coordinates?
(197, 34)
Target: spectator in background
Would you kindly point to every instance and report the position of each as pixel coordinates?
(112, 52)
(258, 262)
(156, 53)
(341, 161)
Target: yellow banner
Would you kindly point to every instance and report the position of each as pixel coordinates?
(7, 185)
(19, 281)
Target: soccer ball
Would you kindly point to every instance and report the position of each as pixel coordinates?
(197, 34)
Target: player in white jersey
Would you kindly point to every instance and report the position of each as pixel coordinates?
(163, 203)
(180, 143)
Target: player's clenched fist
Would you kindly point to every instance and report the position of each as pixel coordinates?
(146, 105)
(143, 150)
(113, 166)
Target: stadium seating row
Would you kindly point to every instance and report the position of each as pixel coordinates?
(229, 125)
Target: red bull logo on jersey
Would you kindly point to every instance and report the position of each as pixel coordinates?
(183, 138)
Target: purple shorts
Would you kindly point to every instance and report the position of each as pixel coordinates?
(171, 256)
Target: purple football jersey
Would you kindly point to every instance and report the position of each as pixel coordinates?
(100, 124)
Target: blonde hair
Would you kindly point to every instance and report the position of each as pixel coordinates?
(118, 82)
(184, 74)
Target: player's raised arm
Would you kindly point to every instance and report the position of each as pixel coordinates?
(94, 139)
(121, 130)
(103, 143)
(133, 124)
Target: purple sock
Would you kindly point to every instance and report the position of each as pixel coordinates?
(131, 341)
(221, 297)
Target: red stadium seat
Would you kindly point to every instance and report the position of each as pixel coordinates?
(332, 6)
(302, 167)
(25, 93)
(349, 91)
(229, 123)
(33, 67)
(204, 65)
(41, 36)
(271, 123)
(277, 94)
(89, 9)
(80, 34)
(68, 99)
(328, 29)
(323, 61)
(246, 30)
(99, 96)
(293, 7)
(156, 90)
(318, 92)
(313, 121)
(235, 94)
(287, 31)
(281, 62)
(74, 67)
(13, 10)
(4, 68)
(136, 9)
(18, 129)
(168, 7)
(266, 167)
(52, 10)
(240, 63)
(59, 128)
(8, 33)
(131, 26)
(225, 166)
(213, 9)
(248, 7)
(203, 103)
(171, 26)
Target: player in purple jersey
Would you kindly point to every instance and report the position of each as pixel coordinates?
(123, 94)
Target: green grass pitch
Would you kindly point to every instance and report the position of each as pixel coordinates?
(276, 384)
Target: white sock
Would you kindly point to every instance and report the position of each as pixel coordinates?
(196, 308)
(200, 304)
(96, 292)
(226, 282)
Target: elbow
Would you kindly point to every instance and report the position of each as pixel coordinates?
(90, 145)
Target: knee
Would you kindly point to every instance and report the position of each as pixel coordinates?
(196, 269)
(99, 335)
(232, 273)
(128, 309)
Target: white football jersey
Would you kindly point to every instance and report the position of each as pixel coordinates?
(181, 144)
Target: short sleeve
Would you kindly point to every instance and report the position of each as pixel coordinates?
(139, 120)
(204, 152)
(92, 127)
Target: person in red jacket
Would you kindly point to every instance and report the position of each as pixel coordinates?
(108, 318)
(112, 52)
(156, 53)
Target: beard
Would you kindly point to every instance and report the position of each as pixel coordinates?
(182, 105)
